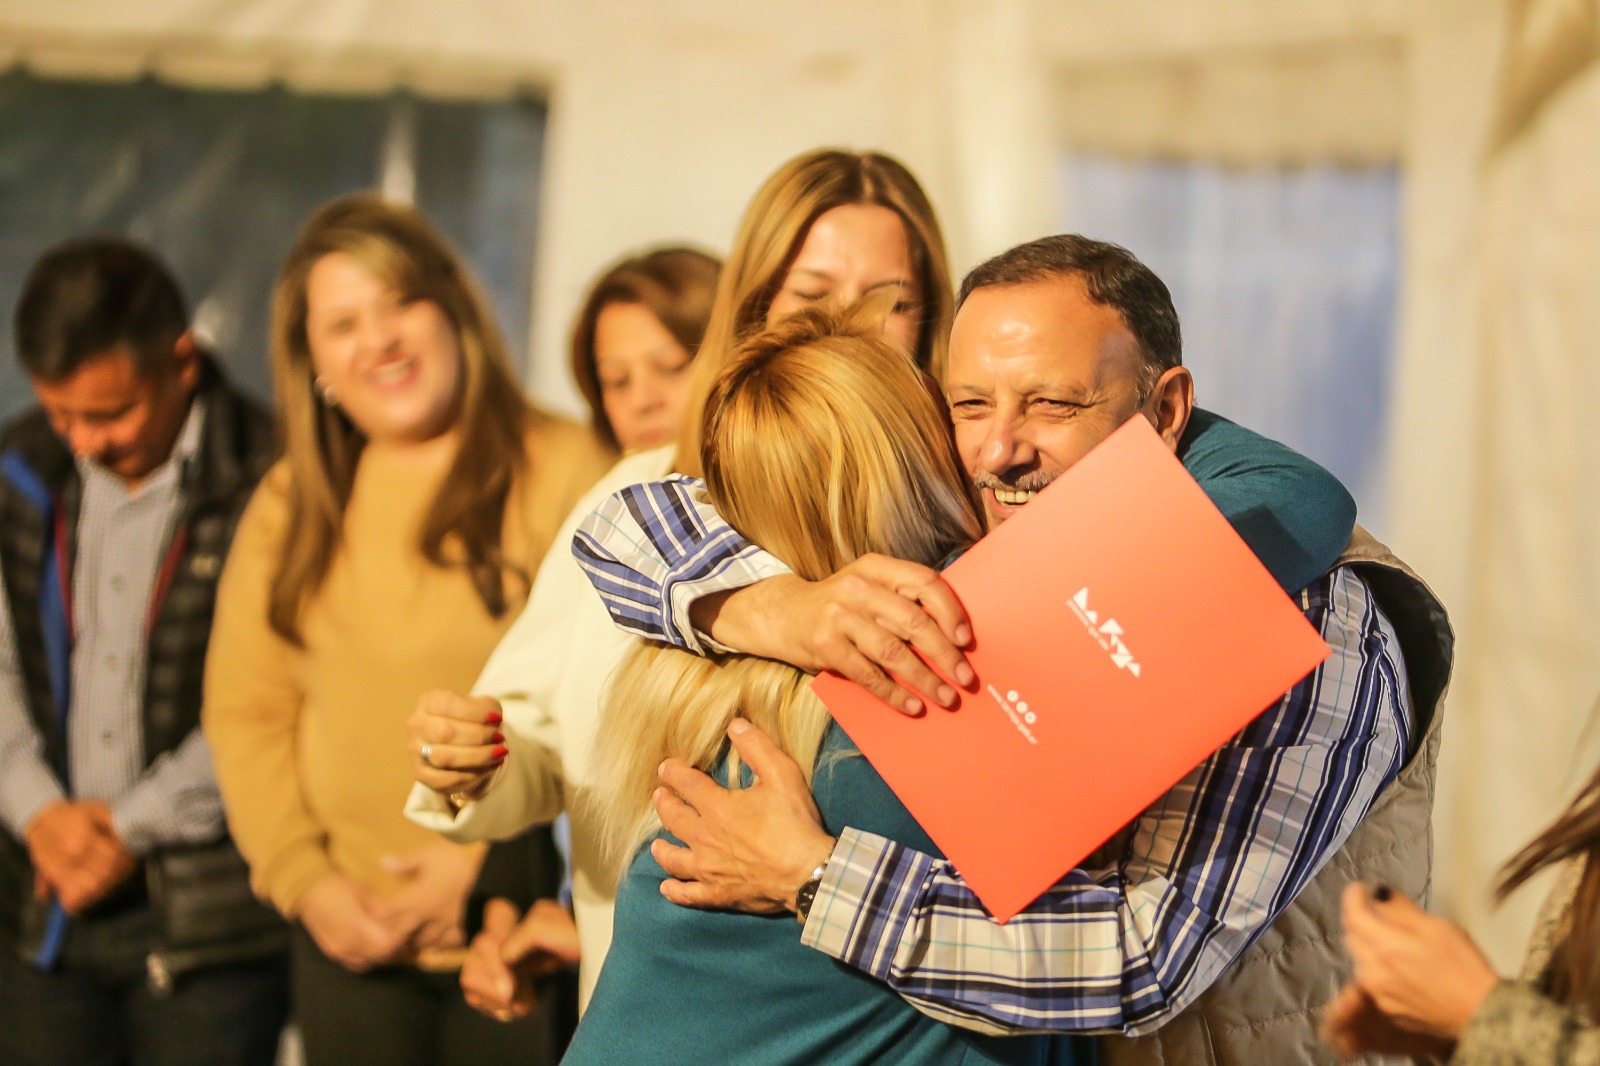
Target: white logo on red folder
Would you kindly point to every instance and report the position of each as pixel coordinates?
(1016, 709)
(1107, 634)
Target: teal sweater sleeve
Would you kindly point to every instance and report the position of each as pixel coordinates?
(1295, 515)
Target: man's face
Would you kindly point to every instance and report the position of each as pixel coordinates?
(1038, 375)
(122, 419)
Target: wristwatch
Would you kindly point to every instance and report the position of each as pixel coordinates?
(806, 894)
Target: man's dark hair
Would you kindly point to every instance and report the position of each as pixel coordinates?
(88, 296)
(1112, 275)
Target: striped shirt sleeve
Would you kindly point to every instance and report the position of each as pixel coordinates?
(1205, 870)
(652, 550)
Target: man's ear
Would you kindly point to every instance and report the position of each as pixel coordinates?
(186, 360)
(1170, 405)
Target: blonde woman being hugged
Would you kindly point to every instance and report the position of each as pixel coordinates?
(386, 554)
(822, 442)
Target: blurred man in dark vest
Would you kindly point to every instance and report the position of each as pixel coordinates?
(127, 927)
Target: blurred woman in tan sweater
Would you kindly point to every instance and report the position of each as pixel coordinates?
(385, 555)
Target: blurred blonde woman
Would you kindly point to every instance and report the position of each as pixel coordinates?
(387, 553)
(827, 227)
(822, 442)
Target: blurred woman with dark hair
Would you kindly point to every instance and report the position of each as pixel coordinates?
(633, 342)
(1423, 988)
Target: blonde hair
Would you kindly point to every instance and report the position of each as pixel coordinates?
(770, 234)
(399, 246)
(675, 284)
(821, 443)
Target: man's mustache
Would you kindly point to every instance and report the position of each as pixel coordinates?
(1032, 481)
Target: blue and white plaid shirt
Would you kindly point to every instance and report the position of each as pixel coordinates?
(1114, 947)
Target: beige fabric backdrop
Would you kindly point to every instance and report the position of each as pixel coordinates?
(1497, 453)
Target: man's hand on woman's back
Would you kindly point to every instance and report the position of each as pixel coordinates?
(861, 623)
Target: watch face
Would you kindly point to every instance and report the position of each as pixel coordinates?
(804, 897)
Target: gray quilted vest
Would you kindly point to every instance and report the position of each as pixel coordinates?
(1265, 1009)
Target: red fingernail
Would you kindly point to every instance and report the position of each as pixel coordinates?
(500, 752)
(493, 718)
(498, 738)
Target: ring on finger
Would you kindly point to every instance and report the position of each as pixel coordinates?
(426, 751)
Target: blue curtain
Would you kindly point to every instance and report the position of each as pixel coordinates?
(1286, 283)
(217, 183)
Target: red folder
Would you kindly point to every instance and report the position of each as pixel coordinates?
(1123, 632)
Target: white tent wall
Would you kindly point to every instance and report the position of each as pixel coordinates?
(1451, 80)
(664, 116)
(666, 127)
(1496, 456)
